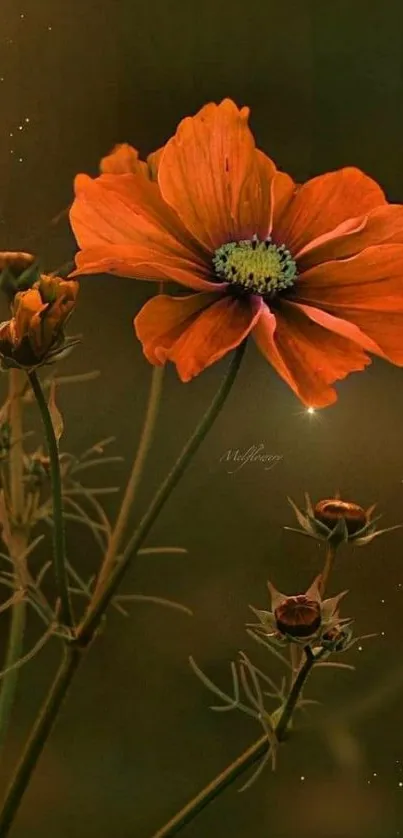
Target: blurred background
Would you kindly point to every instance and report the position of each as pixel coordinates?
(136, 737)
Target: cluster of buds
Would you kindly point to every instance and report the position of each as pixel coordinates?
(336, 521)
(305, 619)
(35, 333)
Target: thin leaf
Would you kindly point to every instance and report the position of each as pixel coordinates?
(235, 685)
(272, 684)
(99, 461)
(100, 511)
(98, 448)
(34, 651)
(270, 648)
(41, 575)
(79, 490)
(257, 773)
(216, 690)
(301, 532)
(149, 551)
(55, 415)
(85, 589)
(156, 600)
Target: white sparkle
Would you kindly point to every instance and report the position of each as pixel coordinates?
(302, 778)
(20, 159)
(310, 410)
(20, 127)
(1, 78)
(382, 601)
(374, 774)
(11, 134)
(360, 648)
(11, 151)
(400, 785)
(383, 633)
(49, 28)
(26, 119)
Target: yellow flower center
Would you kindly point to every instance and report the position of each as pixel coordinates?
(257, 267)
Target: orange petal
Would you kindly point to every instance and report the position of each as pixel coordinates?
(194, 332)
(324, 202)
(283, 190)
(28, 308)
(339, 326)
(128, 209)
(212, 176)
(123, 159)
(366, 290)
(153, 162)
(144, 263)
(307, 356)
(382, 225)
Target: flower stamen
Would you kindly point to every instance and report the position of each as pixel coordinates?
(258, 267)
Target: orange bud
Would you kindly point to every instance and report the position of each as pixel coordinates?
(36, 328)
(330, 511)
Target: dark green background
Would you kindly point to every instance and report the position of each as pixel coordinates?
(136, 738)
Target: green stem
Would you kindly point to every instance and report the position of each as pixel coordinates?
(38, 737)
(59, 545)
(10, 680)
(75, 651)
(16, 387)
(98, 606)
(249, 757)
(17, 549)
(134, 479)
(329, 562)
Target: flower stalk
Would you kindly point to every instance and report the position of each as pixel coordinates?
(39, 735)
(145, 443)
(255, 752)
(59, 540)
(328, 567)
(17, 548)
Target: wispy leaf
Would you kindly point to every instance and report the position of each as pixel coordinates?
(55, 415)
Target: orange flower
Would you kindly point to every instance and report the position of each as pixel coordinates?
(313, 272)
(34, 335)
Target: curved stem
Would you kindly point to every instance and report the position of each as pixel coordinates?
(16, 387)
(38, 737)
(329, 562)
(99, 605)
(134, 479)
(242, 763)
(59, 545)
(10, 679)
(16, 548)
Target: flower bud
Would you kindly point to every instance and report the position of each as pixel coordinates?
(337, 521)
(302, 618)
(329, 512)
(298, 616)
(34, 335)
(337, 638)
